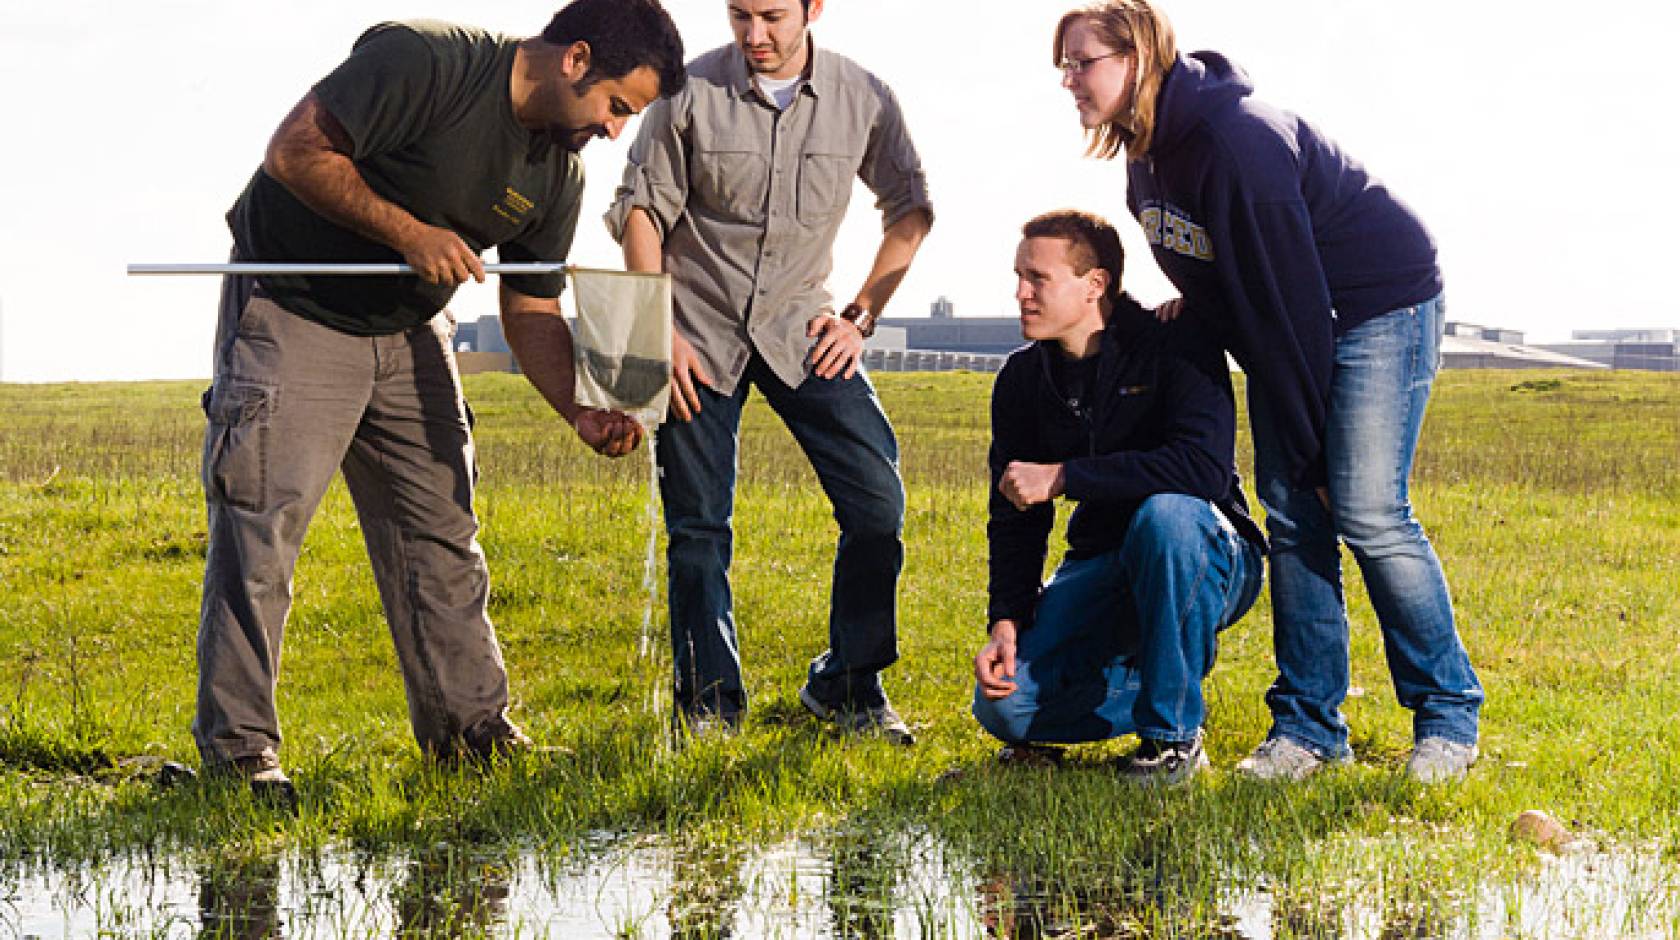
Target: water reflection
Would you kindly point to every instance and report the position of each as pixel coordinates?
(851, 882)
(862, 883)
(1016, 907)
(706, 890)
(448, 892)
(240, 899)
(1415, 921)
(1294, 916)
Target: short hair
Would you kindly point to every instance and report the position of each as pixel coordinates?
(623, 35)
(1092, 242)
(1140, 29)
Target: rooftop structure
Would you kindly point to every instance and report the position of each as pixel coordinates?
(943, 342)
(1650, 350)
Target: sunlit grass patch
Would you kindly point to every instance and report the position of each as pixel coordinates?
(1550, 497)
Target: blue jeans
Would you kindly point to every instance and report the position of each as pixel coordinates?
(845, 434)
(1383, 372)
(1121, 641)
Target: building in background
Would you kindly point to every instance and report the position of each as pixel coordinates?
(943, 342)
(480, 346)
(943, 331)
(1468, 346)
(1656, 350)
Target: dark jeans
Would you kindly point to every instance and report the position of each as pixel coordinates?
(844, 433)
(1121, 641)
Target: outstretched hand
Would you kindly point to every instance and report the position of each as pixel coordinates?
(609, 433)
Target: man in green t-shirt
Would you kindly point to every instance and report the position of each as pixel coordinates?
(430, 143)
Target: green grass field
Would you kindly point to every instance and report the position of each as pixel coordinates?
(1551, 497)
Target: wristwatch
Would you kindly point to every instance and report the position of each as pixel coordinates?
(863, 319)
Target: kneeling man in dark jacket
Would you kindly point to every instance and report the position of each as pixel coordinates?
(1133, 420)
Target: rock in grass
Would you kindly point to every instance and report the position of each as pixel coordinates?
(1543, 829)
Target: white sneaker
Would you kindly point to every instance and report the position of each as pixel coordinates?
(881, 720)
(1164, 763)
(1282, 759)
(1438, 760)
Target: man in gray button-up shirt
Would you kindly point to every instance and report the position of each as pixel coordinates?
(736, 187)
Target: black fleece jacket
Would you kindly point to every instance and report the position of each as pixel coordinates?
(1160, 419)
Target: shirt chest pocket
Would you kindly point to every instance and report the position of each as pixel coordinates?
(729, 177)
(826, 169)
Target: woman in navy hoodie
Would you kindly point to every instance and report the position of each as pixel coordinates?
(1323, 285)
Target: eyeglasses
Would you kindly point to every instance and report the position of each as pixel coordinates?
(1071, 66)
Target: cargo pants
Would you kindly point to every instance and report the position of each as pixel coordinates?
(293, 401)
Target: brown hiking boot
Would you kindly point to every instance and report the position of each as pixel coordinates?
(498, 739)
(1029, 755)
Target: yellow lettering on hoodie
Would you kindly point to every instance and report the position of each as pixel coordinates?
(1169, 229)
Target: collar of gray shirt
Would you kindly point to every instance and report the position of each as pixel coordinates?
(819, 72)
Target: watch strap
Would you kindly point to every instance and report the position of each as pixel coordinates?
(863, 319)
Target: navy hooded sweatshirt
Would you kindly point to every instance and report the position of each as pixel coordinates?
(1277, 237)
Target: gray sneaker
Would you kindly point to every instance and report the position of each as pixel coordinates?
(1282, 758)
(880, 720)
(704, 725)
(262, 774)
(1438, 760)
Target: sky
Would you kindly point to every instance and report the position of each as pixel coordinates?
(1528, 136)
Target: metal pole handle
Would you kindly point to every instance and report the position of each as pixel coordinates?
(320, 269)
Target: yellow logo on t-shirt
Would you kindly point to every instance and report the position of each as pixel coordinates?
(514, 206)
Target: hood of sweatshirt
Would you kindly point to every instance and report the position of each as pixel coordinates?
(1198, 84)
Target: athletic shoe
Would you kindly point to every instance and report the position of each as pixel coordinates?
(1164, 763)
(1282, 758)
(262, 774)
(694, 726)
(1438, 760)
(881, 720)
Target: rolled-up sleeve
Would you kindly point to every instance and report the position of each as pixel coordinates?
(656, 173)
(891, 167)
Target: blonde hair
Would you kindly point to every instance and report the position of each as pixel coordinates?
(1139, 29)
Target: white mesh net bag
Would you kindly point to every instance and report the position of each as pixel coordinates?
(621, 342)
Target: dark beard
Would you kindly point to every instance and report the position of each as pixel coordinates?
(573, 139)
(566, 138)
